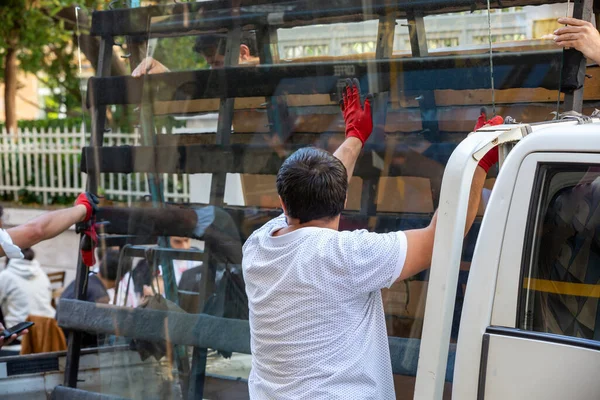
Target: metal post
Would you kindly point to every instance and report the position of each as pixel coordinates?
(98, 115)
(74, 337)
(597, 13)
(380, 88)
(582, 9)
(426, 99)
(217, 192)
(277, 110)
(196, 387)
(226, 110)
(156, 189)
(417, 35)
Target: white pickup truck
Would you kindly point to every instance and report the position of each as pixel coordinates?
(530, 326)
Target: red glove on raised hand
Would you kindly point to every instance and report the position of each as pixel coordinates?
(90, 202)
(358, 117)
(491, 158)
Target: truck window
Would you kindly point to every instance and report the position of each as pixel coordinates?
(561, 269)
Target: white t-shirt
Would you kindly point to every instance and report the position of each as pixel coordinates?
(316, 315)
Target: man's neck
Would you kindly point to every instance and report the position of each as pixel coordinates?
(294, 224)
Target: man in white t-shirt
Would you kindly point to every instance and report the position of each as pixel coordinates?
(316, 315)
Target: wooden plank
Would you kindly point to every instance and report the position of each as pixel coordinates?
(398, 100)
(309, 128)
(241, 103)
(405, 120)
(451, 119)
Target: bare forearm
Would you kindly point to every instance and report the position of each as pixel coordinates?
(475, 197)
(46, 226)
(348, 153)
(420, 241)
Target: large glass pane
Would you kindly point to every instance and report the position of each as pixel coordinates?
(185, 155)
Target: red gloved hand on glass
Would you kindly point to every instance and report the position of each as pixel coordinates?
(88, 227)
(358, 116)
(90, 202)
(491, 158)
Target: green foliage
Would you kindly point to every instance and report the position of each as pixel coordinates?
(121, 122)
(178, 53)
(62, 124)
(45, 47)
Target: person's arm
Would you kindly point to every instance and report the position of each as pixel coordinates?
(580, 35)
(359, 125)
(45, 227)
(149, 66)
(52, 223)
(420, 241)
(348, 153)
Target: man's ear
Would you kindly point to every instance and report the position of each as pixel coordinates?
(244, 53)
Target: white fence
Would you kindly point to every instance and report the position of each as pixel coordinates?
(46, 163)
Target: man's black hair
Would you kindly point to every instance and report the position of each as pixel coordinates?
(312, 184)
(109, 265)
(213, 43)
(28, 254)
(141, 275)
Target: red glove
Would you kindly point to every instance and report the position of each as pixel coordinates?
(90, 202)
(358, 117)
(491, 158)
(88, 227)
(88, 248)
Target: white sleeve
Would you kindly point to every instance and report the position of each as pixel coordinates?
(9, 248)
(374, 260)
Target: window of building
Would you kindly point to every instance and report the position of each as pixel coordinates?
(442, 42)
(308, 50)
(561, 266)
(543, 27)
(358, 47)
(507, 37)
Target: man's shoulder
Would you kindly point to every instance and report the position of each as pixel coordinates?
(276, 222)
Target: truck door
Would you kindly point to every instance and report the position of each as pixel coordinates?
(544, 338)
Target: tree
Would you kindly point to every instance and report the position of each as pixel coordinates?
(40, 37)
(37, 38)
(29, 38)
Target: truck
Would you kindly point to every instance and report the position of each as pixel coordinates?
(509, 312)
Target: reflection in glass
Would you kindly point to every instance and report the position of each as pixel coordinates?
(206, 137)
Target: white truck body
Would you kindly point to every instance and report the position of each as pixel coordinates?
(495, 359)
